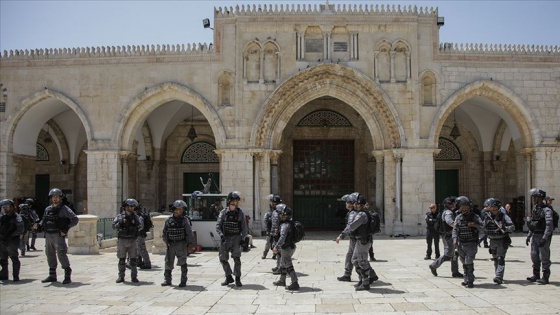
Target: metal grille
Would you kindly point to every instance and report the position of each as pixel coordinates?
(323, 167)
(449, 151)
(42, 153)
(324, 118)
(200, 152)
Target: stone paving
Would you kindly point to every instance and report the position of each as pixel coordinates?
(406, 285)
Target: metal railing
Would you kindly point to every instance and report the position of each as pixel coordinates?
(105, 229)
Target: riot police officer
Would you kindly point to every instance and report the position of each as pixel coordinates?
(432, 236)
(448, 216)
(30, 202)
(56, 222)
(540, 235)
(29, 218)
(497, 225)
(465, 237)
(287, 247)
(128, 225)
(360, 231)
(11, 229)
(178, 236)
(348, 266)
(144, 261)
(232, 229)
(274, 200)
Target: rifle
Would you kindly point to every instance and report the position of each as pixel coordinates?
(489, 216)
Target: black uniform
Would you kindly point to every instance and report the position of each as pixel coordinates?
(432, 236)
(11, 229)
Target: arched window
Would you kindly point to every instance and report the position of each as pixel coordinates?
(271, 59)
(324, 118)
(253, 63)
(383, 62)
(200, 152)
(401, 62)
(42, 153)
(428, 89)
(225, 89)
(449, 151)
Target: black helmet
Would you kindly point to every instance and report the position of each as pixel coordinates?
(196, 193)
(178, 204)
(449, 200)
(8, 202)
(462, 200)
(535, 192)
(131, 202)
(234, 195)
(283, 210)
(274, 198)
(23, 207)
(353, 197)
(492, 202)
(29, 201)
(55, 191)
(361, 200)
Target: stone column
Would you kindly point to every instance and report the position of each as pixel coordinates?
(236, 174)
(392, 54)
(528, 155)
(158, 246)
(408, 66)
(7, 174)
(82, 239)
(398, 224)
(104, 182)
(379, 180)
(261, 67)
(376, 66)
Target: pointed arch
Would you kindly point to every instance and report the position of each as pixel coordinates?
(10, 132)
(143, 105)
(503, 97)
(343, 83)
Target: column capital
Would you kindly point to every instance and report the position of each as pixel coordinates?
(527, 153)
(379, 156)
(437, 152)
(398, 155)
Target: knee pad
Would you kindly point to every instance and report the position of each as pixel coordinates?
(223, 262)
(122, 261)
(184, 268)
(237, 260)
(133, 262)
(501, 261)
(290, 269)
(446, 258)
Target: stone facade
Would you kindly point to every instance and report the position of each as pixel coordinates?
(118, 117)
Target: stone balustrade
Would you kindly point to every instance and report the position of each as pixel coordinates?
(82, 239)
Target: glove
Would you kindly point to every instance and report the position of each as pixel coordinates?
(542, 242)
(527, 240)
(242, 242)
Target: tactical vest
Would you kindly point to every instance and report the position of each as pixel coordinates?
(127, 230)
(467, 234)
(491, 228)
(53, 222)
(176, 230)
(362, 232)
(231, 224)
(538, 221)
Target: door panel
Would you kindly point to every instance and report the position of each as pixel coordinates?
(447, 184)
(323, 171)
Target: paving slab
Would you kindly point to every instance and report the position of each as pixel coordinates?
(405, 285)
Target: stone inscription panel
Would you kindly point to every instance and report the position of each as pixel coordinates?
(313, 45)
(340, 47)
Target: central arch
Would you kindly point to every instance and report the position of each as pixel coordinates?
(343, 83)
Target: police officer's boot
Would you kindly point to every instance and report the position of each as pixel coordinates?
(536, 275)
(372, 276)
(293, 286)
(229, 279)
(166, 278)
(470, 275)
(545, 277)
(184, 271)
(67, 274)
(15, 267)
(281, 281)
(238, 281)
(364, 279)
(4, 271)
(51, 277)
(139, 262)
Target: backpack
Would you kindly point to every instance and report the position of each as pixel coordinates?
(439, 224)
(374, 223)
(555, 218)
(148, 224)
(297, 231)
